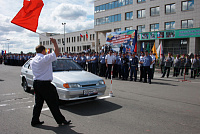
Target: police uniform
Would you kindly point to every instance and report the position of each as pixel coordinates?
(125, 61)
(102, 65)
(119, 66)
(141, 68)
(133, 68)
(146, 65)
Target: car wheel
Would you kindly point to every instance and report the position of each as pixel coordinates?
(25, 86)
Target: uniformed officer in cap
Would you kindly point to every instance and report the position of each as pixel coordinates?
(146, 64)
(133, 67)
(141, 66)
(124, 61)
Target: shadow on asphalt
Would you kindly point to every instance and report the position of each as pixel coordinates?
(60, 129)
(1, 80)
(161, 83)
(89, 108)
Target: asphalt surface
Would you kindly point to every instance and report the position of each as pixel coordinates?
(167, 106)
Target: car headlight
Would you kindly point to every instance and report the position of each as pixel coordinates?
(71, 85)
(101, 82)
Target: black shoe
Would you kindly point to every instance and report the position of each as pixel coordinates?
(131, 79)
(140, 80)
(162, 77)
(135, 80)
(37, 123)
(149, 82)
(145, 82)
(65, 122)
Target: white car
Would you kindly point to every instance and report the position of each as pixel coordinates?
(70, 80)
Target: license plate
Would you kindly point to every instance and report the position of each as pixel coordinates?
(89, 92)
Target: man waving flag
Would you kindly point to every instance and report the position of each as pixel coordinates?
(29, 14)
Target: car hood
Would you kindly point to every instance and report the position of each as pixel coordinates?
(75, 76)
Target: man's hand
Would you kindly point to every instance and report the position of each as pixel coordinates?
(56, 50)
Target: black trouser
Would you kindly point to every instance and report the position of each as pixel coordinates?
(187, 70)
(102, 69)
(162, 69)
(45, 91)
(108, 71)
(133, 71)
(115, 70)
(193, 73)
(141, 72)
(125, 71)
(152, 71)
(181, 70)
(176, 71)
(89, 67)
(168, 71)
(119, 69)
(94, 68)
(147, 71)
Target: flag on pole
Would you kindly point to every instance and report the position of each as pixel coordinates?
(81, 35)
(29, 14)
(5, 51)
(161, 49)
(2, 53)
(86, 34)
(158, 50)
(154, 50)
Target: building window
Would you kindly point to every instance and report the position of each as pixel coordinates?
(154, 27)
(83, 37)
(139, 1)
(108, 19)
(77, 38)
(112, 5)
(93, 36)
(187, 5)
(117, 29)
(128, 28)
(187, 24)
(170, 8)
(155, 11)
(169, 25)
(90, 36)
(141, 13)
(129, 16)
(47, 42)
(141, 28)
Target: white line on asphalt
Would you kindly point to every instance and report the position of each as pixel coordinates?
(3, 105)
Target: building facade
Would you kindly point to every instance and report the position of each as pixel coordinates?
(74, 43)
(174, 23)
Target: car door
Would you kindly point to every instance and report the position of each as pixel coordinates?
(28, 73)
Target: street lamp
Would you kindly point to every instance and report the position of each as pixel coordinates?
(64, 35)
(8, 44)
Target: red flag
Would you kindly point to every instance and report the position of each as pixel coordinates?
(135, 49)
(86, 34)
(5, 51)
(28, 16)
(81, 35)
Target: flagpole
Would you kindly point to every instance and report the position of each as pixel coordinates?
(42, 35)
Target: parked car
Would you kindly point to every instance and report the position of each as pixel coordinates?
(70, 80)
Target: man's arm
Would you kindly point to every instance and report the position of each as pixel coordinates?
(56, 50)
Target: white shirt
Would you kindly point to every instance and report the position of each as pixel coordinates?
(41, 66)
(110, 59)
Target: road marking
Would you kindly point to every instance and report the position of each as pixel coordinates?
(3, 105)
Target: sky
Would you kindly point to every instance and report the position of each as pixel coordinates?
(77, 14)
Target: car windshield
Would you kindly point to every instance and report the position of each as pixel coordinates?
(65, 65)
